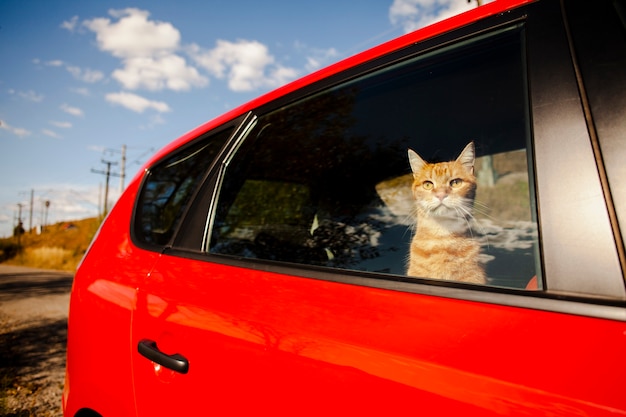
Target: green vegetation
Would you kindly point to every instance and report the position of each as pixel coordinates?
(60, 246)
(255, 204)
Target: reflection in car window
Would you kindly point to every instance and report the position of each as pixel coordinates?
(326, 181)
(168, 188)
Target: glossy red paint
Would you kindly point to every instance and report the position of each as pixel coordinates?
(310, 347)
(260, 342)
(105, 283)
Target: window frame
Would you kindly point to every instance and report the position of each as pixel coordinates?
(193, 230)
(562, 290)
(181, 224)
(601, 80)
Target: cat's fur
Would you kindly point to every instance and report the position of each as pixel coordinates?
(442, 246)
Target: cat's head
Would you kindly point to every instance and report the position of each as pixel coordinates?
(444, 188)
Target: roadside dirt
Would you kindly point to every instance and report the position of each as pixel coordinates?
(33, 333)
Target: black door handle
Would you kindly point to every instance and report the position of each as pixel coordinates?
(175, 362)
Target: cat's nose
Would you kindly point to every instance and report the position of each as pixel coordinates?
(441, 195)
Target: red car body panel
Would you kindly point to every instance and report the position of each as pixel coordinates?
(106, 282)
(301, 346)
(294, 340)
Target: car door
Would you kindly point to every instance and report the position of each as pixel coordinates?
(284, 290)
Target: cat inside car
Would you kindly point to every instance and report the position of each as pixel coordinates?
(442, 246)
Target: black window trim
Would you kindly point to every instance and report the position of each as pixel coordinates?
(193, 198)
(236, 141)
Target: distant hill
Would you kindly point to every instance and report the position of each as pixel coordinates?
(59, 246)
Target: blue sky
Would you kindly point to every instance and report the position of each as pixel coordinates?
(81, 79)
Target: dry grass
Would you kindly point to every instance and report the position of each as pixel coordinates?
(60, 246)
(47, 257)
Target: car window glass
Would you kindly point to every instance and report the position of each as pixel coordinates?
(326, 181)
(168, 188)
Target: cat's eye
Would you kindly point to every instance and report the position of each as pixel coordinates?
(428, 185)
(456, 183)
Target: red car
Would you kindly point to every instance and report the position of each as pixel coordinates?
(263, 264)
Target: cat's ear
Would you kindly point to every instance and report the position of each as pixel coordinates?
(416, 162)
(467, 157)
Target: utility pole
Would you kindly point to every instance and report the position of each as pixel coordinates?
(30, 215)
(19, 218)
(122, 169)
(46, 205)
(30, 209)
(18, 231)
(108, 174)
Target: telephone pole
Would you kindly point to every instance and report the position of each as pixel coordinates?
(18, 231)
(122, 173)
(46, 206)
(30, 215)
(122, 169)
(108, 174)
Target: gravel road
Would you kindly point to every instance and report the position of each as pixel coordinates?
(33, 333)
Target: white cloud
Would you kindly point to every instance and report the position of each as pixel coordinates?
(246, 65)
(151, 58)
(154, 120)
(82, 91)
(321, 57)
(70, 24)
(87, 75)
(63, 125)
(50, 133)
(29, 95)
(17, 131)
(156, 73)
(136, 103)
(414, 14)
(133, 35)
(147, 49)
(53, 63)
(74, 111)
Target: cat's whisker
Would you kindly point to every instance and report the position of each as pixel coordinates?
(409, 220)
(478, 226)
(467, 216)
(482, 209)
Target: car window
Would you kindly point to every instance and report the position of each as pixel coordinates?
(168, 188)
(327, 181)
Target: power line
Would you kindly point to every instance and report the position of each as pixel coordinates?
(122, 173)
(108, 174)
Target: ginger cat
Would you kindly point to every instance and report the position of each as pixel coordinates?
(442, 246)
